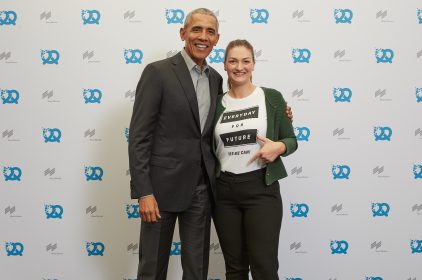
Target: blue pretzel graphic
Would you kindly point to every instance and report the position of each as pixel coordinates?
(299, 210)
(175, 249)
(380, 209)
(133, 56)
(90, 16)
(343, 16)
(8, 18)
(95, 248)
(132, 211)
(92, 95)
(417, 171)
(53, 211)
(339, 247)
(342, 94)
(14, 249)
(384, 55)
(12, 173)
(340, 171)
(418, 95)
(217, 56)
(9, 96)
(259, 15)
(52, 135)
(94, 173)
(301, 55)
(127, 134)
(302, 133)
(50, 57)
(174, 16)
(416, 246)
(382, 133)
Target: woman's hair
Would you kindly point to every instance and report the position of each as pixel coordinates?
(234, 44)
(239, 43)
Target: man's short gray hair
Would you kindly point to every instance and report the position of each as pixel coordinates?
(202, 11)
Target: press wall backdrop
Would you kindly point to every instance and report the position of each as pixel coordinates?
(351, 70)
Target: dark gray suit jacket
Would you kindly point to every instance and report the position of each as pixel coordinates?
(166, 147)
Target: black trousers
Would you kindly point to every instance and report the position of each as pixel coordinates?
(247, 219)
(194, 231)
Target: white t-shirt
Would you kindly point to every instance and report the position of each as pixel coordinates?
(236, 130)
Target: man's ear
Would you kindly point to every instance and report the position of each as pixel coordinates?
(218, 38)
(182, 33)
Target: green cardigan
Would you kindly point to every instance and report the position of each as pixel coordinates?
(279, 128)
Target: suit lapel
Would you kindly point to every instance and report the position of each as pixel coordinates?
(213, 97)
(183, 75)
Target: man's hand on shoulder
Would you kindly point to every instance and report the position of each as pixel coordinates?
(148, 209)
(289, 112)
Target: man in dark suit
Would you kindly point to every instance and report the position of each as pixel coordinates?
(170, 153)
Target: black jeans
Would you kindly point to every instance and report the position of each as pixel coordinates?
(247, 219)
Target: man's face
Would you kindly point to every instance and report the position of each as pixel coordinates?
(200, 37)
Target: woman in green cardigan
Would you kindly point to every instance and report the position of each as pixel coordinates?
(251, 133)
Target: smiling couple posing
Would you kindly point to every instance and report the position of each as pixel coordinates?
(182, 169)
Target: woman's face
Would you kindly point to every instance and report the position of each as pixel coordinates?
(239, 65)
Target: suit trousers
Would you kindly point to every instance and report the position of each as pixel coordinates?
(247, 219)
(194, 231)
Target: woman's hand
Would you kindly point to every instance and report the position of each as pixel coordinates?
(269, 151)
